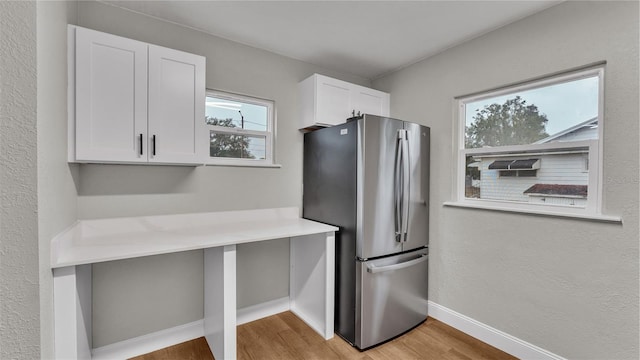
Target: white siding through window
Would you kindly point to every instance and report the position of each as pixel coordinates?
(554, 169)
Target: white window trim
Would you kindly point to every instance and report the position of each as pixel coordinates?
(270, 134)
(594, 200)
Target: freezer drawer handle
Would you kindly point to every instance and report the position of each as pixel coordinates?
(375, 269)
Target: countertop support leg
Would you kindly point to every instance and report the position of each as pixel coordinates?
(220, 301)
(329, 301)
(72, 312)
(311, 289)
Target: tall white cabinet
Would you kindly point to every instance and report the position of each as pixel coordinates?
(133, 102)
(326, 101)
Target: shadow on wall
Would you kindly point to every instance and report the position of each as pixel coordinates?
(103, 179)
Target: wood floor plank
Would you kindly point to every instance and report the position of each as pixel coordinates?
(344, 349)
(393, 350)
(454, 354)
(285, 337)
(423, 345)
(465, 344)
(294, 340)
(196, 349)
(432, 337)
(264, 342)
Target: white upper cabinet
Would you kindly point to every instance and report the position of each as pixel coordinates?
(333, 101)
(111, 77)
(370, 101)
(132, 102)
(325, 101)
(176, 106)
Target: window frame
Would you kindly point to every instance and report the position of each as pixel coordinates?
(593, 207)
(269, 134)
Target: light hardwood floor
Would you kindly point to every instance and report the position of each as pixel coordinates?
(196, 349)
(284, 336)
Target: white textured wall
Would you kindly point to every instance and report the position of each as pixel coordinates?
(568, 286)
(57, 194)
(19, 306)
(129, 190)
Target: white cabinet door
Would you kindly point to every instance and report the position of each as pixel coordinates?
(333, 105)
(111, 98)
(370, 101)
(176, 106)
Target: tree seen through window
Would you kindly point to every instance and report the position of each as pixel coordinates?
(227, 145)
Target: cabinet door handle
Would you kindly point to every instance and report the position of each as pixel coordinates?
(140, 140)
(154, 146)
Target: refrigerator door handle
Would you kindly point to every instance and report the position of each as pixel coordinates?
(405, 185)
(397, 187)
(378, 269)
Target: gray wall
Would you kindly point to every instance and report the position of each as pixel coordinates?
(57, 194)
(568, 286)
(143, 292)
(19, 280)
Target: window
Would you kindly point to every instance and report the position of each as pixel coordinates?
(518, 173)
(240, 129)
(533, 147)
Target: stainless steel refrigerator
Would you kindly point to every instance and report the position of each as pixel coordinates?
(370, 177)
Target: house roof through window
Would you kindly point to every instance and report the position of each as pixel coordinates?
(557, 190)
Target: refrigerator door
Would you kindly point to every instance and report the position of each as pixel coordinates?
(417, 231)
(393, 296)
(377, 149)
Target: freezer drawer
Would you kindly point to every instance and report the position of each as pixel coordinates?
(393, 296)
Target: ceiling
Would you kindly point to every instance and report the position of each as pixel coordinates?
(363, 38)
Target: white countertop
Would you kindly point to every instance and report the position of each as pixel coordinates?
(92, 241)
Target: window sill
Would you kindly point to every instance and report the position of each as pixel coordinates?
(491, 207)
(272, 166)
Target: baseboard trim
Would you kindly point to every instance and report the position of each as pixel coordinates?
(150, 342)
(262, 310)
(168, 337)
(178, 334)
(494, 337)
